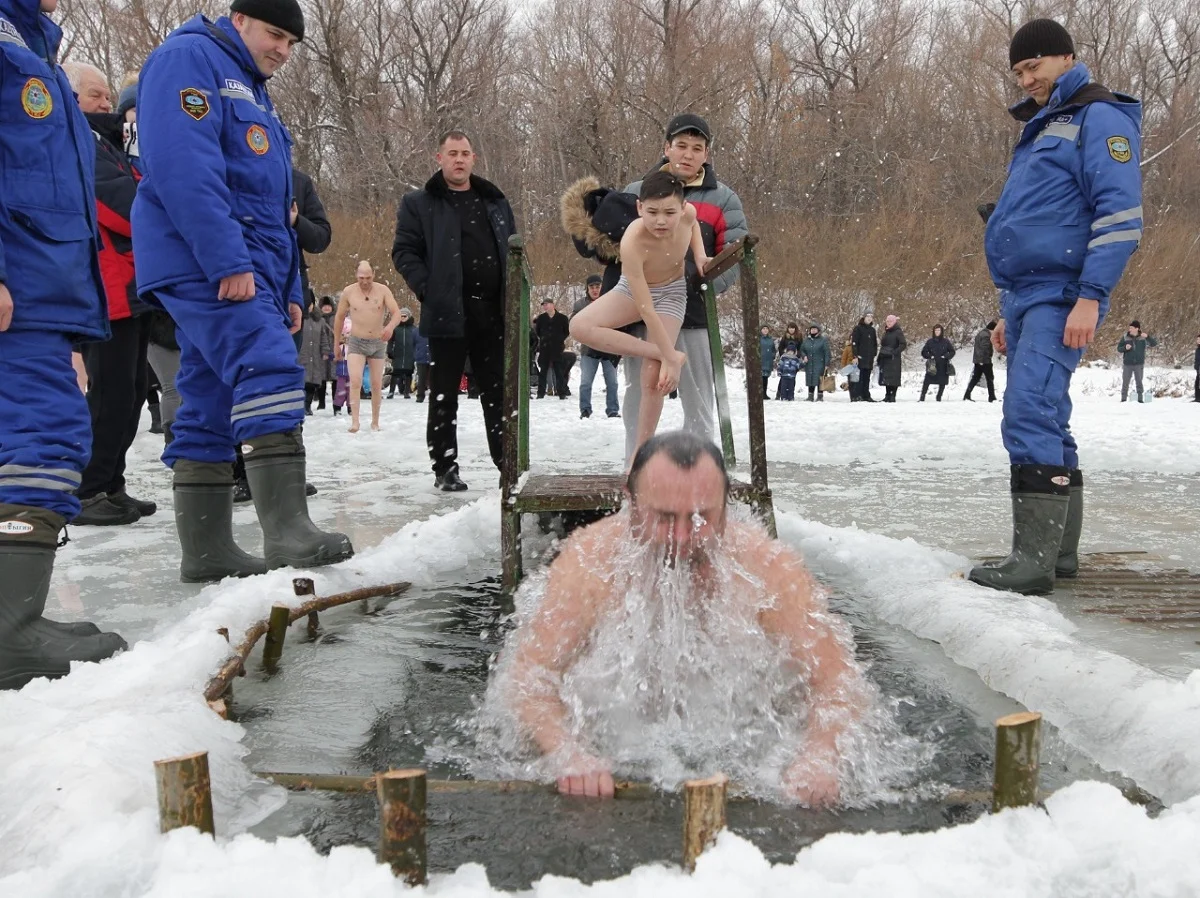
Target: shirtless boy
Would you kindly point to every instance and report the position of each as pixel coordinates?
(677, 495)
(366, 303)
(652, 289)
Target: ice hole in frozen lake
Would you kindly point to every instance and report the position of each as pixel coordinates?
(417, 683)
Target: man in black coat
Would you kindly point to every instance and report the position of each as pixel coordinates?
(552, 330)
(313, 231)
(982, 359)
(866, 346)
(117, 371)
(451, 247)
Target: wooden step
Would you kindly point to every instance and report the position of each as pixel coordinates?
(591, 492)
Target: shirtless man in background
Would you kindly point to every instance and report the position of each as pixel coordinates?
(677, 495)
(373, 316)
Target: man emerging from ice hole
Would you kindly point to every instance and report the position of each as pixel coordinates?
(668, 626)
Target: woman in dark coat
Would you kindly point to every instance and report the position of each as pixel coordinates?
(402, 351)
(937, 352)
(316, 349)
(817, 356)
(791, 339)
(891, 365)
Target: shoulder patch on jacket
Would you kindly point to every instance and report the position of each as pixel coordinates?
(36, 99)
(1119, 149)
(194, 102)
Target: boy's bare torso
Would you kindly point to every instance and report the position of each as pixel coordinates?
(367, 310)
(663, 258)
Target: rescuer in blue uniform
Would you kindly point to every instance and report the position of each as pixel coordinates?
(1058, 240)
(50, 297)
(213, 244)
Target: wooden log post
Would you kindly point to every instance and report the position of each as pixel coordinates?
(304, 586)
(703, 816)
(277, 627)
(1018, 748)
(184, 793)
(225, 698)
(717, 350)
(402, 821)
(516, 358)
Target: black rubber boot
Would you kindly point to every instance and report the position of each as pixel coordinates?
(275, 467)
(156, 425)
(30, 645)
(1067, 565)
(1039, 502)
(204, 522)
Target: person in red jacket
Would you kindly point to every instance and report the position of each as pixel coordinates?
(116, 368)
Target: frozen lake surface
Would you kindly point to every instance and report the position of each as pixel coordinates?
(886, 502)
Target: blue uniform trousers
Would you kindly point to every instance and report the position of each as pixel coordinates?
(238, 375)
(45, 428)
(1037, 401)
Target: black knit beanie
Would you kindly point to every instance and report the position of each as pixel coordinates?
(285, 14)
(1041, 37)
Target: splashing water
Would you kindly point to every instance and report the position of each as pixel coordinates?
(680, 679)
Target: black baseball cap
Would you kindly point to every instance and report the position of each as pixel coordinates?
(594, 279)
(688, 121)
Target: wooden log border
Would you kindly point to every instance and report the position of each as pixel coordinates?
(219, 685)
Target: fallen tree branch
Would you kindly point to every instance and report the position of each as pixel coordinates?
(236, 663)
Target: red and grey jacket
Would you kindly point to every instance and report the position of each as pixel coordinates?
(722, 222)
(116, 186)
(596, 217)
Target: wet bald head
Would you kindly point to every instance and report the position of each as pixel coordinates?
(678, 490)
(365, 275)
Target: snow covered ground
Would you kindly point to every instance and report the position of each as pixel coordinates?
(887, 503)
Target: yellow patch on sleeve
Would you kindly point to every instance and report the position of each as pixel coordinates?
(1120, 149)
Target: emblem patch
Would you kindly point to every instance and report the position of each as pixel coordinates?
(1063, 119)
(194, 102)
(256, 137)
(36, 99)
(1119, 149)
(15, 527)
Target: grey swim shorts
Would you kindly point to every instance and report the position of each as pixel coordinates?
(670, 299)
(372, 349)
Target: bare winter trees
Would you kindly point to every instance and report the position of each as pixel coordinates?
(861, 134)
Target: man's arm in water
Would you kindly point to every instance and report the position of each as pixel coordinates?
(836, 693)
(547, 648)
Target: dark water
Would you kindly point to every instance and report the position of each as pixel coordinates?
(390, 690)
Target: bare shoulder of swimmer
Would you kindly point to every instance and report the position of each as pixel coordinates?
(577, 592)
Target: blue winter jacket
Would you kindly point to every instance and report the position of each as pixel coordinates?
(789, 365)
(1070, 215)
(48, 235)
(216, 195)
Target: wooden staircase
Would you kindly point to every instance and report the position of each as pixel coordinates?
(543, 493)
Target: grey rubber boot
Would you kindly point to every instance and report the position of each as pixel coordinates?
(203, 494)
(1039, 503)
(30, 646)
(1067, 565)
(46, 526)
(275, 468)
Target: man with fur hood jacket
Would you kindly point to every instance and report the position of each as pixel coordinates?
(596, 219)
